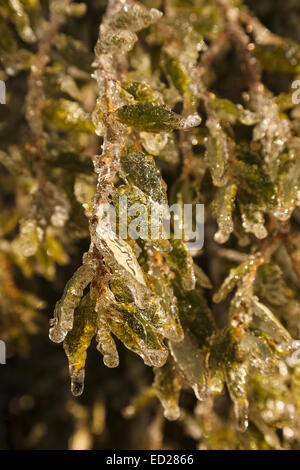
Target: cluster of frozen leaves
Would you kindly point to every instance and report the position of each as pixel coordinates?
(149, 93)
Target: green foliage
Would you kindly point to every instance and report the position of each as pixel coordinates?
(156, 113)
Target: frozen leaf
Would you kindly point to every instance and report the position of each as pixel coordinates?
(155, 144)
(217, 152)
(78, 340)
(134, 17)
(62, 321)
(154, 304)
(257, 182)
(137, 335)
(196, 316)
(191, 353)
(270, 285)
(68, 116)
(29, 238)
(54, 249)
(141, 170)
(201, 278)
(192, 362)
(121, 258)
(235, 275)
(165, 316)
(227, 110)
(227, 364)
(176, 72)
(112, 42)
(253, 220)
(181, 260)
(12, 162)
(84, 190)
(258, 350)
(264, 319)
(117, 34)
(223, 207)
(141, 91)
(218, 352)
(236, 378)
(105, 343)
(288, 183)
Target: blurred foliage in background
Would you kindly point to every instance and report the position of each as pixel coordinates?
(187, 101)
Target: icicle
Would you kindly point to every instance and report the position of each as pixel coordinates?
(217, 152)
(236, 379)
(167, 385)
(62, 321)
(105, 342)
(192, 363)
(235, 275)
(78, 340)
